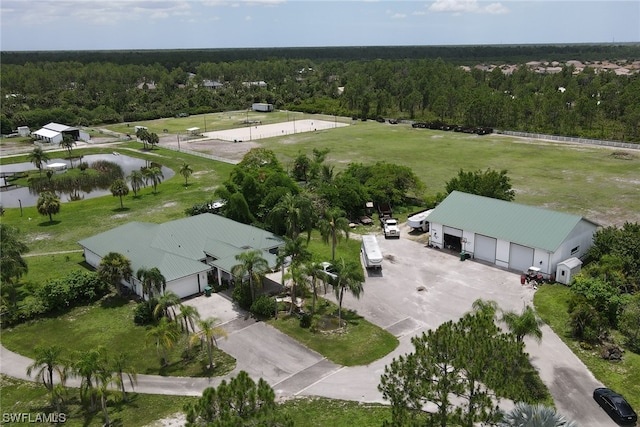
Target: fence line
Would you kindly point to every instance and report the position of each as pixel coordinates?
(618, 144)
(199, 154)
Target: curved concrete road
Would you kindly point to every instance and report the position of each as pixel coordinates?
(418, 289)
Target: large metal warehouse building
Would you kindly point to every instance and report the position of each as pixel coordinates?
(507, 234)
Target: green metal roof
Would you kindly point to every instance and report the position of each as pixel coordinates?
(525, 225)
(178, 248)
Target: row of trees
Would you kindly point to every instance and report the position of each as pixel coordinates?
(587, 103)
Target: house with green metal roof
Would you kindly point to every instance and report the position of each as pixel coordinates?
(185, 251)
(507, 234)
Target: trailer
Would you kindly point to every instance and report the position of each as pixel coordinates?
(418, 220)
(260, 106)
(370, 250)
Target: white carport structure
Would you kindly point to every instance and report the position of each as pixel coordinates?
(507, 234)
(48, 135)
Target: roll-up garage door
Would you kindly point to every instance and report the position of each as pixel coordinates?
(452, 231)
(520, 257)
(485, 248)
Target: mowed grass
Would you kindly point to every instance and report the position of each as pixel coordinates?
(26, 397)
(109, 323)
(552, 303)
(323, 412)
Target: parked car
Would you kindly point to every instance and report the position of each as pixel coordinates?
(616, 406)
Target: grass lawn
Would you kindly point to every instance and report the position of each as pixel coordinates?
(109, 322)
(551, 303)
(360, 344)
(323, 412)
(27, 397)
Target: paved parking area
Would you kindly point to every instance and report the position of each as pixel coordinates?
(418, 289)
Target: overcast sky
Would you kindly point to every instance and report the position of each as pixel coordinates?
(174, 24)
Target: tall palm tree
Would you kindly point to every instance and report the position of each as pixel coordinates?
(119, 188)
(207, 333)
(488, 308)
(164, 305)
(143, 135)
(47, 361)
(188, 317)
(86, 365)
(122, 368)
(136, 178)
(153, 139)
(526, 415)
(67, 143)
(297, 276)
(165, 334)
(294, 213)
(332, 226)
(525, 324)
(153, 282)
(12, 265)
(38, 157)
(155, 175)
(186, 172)
(253, 266)
(349, 279)
(104, 379)
(293, 252)
(313, 271)
(114, 268)
(48, 204)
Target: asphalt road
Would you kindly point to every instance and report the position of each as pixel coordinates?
(418, 289)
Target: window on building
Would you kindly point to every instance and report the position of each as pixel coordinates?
(575, 250)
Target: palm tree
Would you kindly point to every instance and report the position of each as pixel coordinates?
(153, 282)
(294, 252)
(86, 365)
(12, 265)
(188, 316)
(349, 278)
(526, 415)
(38, 157)
(153, 139)
(207, 334)
(48, 204)
(155, 175)
(186, 171)
(137, 181)
(525, 324)
(164, 305)
(122, 368)
(104, 379)
(486, 307)
(297, 276)
(114, 268)
(164, 334)
(332, 226)
(295, 213)
(67, 143)
(119, 188)
(143, 135)
(47, 361)
(253, 265)
(313, 271)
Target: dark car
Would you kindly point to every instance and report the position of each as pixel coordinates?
(615, 405)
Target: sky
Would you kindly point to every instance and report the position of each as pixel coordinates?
(27, 25)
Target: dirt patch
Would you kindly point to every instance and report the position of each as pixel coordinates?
(41, 236)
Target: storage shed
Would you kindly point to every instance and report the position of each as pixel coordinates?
(507, 234)
(567, 269)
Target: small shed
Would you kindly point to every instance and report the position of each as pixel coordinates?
(193, 131)
(567, 269)
(24, 131)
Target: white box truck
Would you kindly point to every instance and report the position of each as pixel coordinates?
(260, 106)
(370, 250)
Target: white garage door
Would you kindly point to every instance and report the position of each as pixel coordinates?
(485, 248)
(520, 257)
(452, 231)
(185, 287)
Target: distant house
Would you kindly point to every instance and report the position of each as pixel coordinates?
(188, 252)
(260, 83)
(212, 84)
(55, 132)
(507, 234)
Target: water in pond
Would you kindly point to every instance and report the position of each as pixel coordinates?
(12, 197)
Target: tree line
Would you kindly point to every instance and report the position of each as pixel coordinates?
(588, 103)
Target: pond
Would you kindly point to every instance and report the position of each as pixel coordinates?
(13, 197)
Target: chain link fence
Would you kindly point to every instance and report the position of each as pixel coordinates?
(571, 139)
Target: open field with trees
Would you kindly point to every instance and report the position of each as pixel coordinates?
(543, 174)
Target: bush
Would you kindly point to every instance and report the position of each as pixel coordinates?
(242, 295)
(143, 314)
(263, 306)
(75, 288)
(305, 321)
